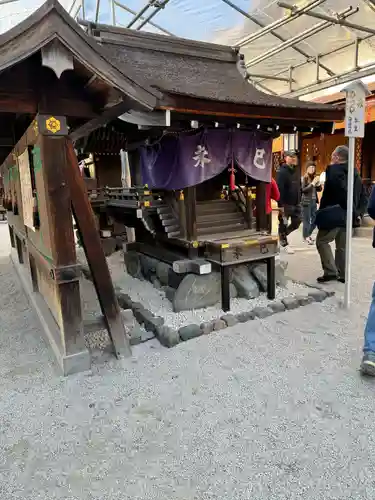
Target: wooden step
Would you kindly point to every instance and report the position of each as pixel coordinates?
(227, 217)
(171, 229)
(164, 210)
(219, 209)
(218, 223)
(222, 229)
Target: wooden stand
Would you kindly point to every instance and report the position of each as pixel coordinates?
(45, 258)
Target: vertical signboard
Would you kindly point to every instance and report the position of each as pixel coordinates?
(26, 189)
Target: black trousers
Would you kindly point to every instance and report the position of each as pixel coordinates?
(289, 222)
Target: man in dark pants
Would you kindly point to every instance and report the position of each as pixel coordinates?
(334, 200)
(289, 183)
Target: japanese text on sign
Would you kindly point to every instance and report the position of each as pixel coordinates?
(355, 114)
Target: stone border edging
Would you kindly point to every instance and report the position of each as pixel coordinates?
(170, 337)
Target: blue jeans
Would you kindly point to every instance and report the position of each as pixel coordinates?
(369, 345)
(309, 215)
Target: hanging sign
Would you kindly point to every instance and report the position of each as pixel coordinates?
(355, 110)
(26, 189)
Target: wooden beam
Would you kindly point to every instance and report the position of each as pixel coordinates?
(59, 215)
(194, 106)
(107, 116)
(85, 220)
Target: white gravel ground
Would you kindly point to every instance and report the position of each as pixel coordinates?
(268, 410)
(156, 302)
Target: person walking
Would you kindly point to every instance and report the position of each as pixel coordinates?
(289, 184)
(310, 187)
(368, 360)
(331, 217)
(272, 193)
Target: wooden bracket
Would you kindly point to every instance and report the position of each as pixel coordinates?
(96, 260)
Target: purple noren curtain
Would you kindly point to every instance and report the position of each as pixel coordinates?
(186, 160)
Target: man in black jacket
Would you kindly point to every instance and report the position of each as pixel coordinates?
(289, 183)
(332, 217)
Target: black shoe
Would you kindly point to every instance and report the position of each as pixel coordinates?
(326, 277)
(341, 280)
(368, 364)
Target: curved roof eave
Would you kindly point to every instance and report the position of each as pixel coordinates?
(51, 22)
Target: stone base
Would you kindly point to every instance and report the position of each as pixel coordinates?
(68, 364)
(190, 287)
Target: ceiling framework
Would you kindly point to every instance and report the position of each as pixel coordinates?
(286, 52)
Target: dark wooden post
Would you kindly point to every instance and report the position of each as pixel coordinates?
(182, 213)
(271, 278)
(191, 213)
(261, 216)
(249, 208)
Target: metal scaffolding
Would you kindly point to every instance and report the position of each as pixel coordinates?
(267, 44)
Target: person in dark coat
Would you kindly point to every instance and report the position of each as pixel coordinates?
(289, 183)
(331, 217)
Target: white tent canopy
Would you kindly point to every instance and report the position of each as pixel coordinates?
(329, 57)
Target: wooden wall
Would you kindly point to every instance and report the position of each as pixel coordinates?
(108, 170)
(319, 148)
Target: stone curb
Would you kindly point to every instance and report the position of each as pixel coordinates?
(170, 337)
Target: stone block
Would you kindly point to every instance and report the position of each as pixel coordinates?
(243, 317)
(155, 281)
(151, 322)
(133, 264)
(174, 279)
(259, 271)
(229, 319)
(162, 272)
(190, 332)
(233, 291)
(169, 293)
(304, 300)
(196, 266)
(318, 295)
(291, 303)
(127, 317)
(219, 324)
(277, 307)
(262, 312)
(167, 336)
(196, 292)
(246, 285)
(109, 246)
(124, 300)
(148, 265)
(207, 327)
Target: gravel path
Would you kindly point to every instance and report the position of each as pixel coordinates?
(272, 409)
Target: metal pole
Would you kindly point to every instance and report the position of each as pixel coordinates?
(269, 77)
(3, 2)
(333, 20)
(323, 54)
(349, 223)
(83, 10)
(140, 13)
(142, 17)
(276, 24)
(153, 14)
(97, 10)
(113, 12)
(69, 11)
(356, 52)
(271, 27)
(317, 28)
(346, 77)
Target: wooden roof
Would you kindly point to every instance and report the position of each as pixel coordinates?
(113, 68)
(177, 66)
(51, 22)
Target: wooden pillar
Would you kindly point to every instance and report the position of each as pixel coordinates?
(191, 213)
(261, 216)
(59, 213)
(182, 213)
(249, 208)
